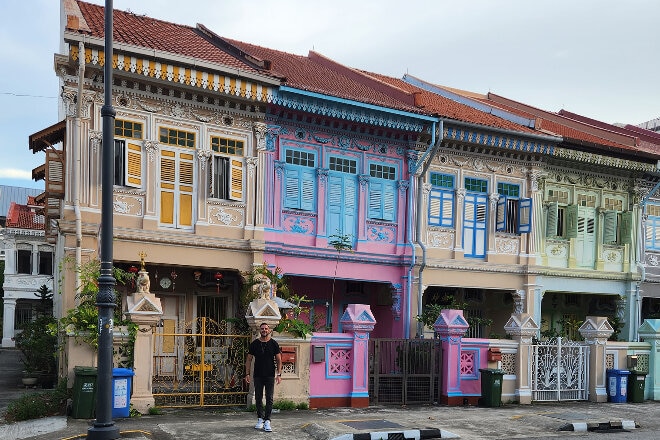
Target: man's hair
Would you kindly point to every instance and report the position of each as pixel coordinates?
(263, 323)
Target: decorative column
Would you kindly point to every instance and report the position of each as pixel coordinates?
(493, 198)
(145, 310)
(522, 327)
(649, 332)
(595, 332)
(451, 326)
(458, 213)
(357, 318)
(8, 321)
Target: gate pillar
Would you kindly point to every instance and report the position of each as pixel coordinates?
(522, 327)
(451, 327)
(595, 332)
(145, 310)
(358, 319)
(649, 331)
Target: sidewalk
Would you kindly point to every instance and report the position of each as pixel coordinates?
(509, 421)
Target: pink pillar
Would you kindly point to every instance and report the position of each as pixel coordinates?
(451, 326)
(359, 320)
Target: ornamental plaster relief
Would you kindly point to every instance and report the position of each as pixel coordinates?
(128, 204)
(440, 239)
(557, 249)
(26, 282)
(226, 214)
(587, 180)
(612, 254)
(507, 245)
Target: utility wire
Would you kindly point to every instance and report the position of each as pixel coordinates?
(21, 95)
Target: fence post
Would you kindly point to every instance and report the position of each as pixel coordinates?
(649, 331)
(358, 319)
(595, 332)
(451, 327)
(522, 327)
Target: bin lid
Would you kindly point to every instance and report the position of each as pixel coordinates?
(85, 371)
(491, 370)
(122, 372)
(615, 371)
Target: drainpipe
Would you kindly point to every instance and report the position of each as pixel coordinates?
(77, 148)
(641, 246)
(426, 161)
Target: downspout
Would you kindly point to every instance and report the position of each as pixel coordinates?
(641, 248)
(425, 161)
(77, 148)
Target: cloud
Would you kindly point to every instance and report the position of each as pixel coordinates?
(13, 173)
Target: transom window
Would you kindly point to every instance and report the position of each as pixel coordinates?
(171, 136)
(588, 200)
(128, 129)
(476, 185)
(442, 180)
(559, 196)
(613, 204)
(227, 146)
(297, 157)
(508, 189)
(382, 171)
(653, 210)
(343, 165)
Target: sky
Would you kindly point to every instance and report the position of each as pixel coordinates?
(597, 58)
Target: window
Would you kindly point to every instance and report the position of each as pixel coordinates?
(441, 200)
(171, 136)
(343, 165)
(513, 213)
(45, 262)
(475, 218)
(382, 192)
(617, 225)
(177, 187)
(227, 172)
(299, 180)
(653, 227)
(24, 261)
(128, 154)
(476, 185)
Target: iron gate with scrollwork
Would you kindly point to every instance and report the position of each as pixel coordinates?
(200, 364)
(559, 370)
(404, 371)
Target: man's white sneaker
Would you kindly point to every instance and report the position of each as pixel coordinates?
(267, 427)
(260, 424)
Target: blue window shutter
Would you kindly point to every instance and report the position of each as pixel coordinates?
(292, 187)
(501, 213)
(375, 199)
(524, 216)
(435, 207)
(389, 201)
(308, 183)
(350, 207)
(441, 208)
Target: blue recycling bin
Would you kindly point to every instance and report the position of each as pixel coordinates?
(617, 385)
(122, 379)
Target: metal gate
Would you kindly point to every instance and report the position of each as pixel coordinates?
(559, 370)
(404, 371)
(199, 364)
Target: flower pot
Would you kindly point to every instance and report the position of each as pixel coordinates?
(29, 381)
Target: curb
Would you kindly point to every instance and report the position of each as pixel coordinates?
(600, 426)
(409, 434)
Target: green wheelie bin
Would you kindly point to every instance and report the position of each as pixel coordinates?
(84, 393)
(491, 387)
(636, 386)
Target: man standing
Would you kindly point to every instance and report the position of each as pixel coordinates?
(266, 354)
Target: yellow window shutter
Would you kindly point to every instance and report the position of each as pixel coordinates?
(167, 186)
(134, 165)
(186, 180)
(236, 192)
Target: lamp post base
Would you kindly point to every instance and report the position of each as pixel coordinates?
(109, 432)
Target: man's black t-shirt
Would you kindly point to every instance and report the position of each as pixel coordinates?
(264, 357)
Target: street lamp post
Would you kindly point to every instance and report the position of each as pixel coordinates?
(104, 427)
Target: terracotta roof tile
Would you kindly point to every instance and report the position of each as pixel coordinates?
(143, 31)
(24, 217)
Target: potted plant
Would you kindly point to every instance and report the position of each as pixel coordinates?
(38, 349)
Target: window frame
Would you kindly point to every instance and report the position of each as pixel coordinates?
(444, 194)
(128, 153)
(382, 197)
(230, 184)
(299, 185)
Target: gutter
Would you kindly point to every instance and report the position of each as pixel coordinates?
(77, 147)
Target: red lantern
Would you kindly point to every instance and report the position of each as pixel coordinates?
(218, 280)
(132, 270)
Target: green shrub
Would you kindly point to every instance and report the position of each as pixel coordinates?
(286, 405)
(302, 405)
(155, 411)
(38, 405)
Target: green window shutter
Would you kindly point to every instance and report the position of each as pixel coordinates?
(626, 227)
(553, 215)
(572, 221)
(610, 226)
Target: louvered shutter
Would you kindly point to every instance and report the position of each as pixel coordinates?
(236, 170)
(308, 189)
(186, 184)
(552, 217)
(610, 226)
(435, 207)
(292, 187)
(375, 199)
(626, 228)
(525, 216)
(389, 201)
(167, 186)
(501, 213)
(572, 221)
(133, 167)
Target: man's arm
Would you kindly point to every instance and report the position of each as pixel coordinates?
(278, 374)
(248, 367)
